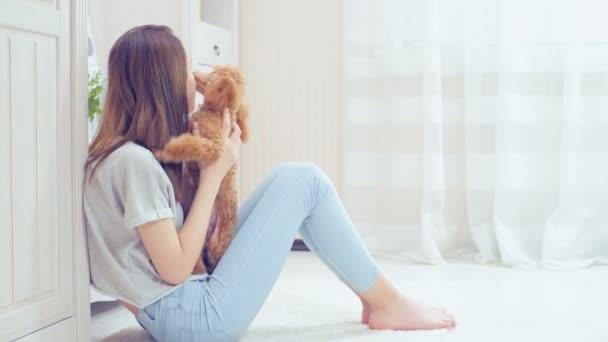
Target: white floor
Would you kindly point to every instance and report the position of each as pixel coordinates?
(491, 303)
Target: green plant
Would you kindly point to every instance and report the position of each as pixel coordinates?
(95, 90)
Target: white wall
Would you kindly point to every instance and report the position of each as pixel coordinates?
(292, 54)
(111, 18)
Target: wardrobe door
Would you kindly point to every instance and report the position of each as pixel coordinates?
(35, 168)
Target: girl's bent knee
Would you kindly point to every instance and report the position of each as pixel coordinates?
(302, 169)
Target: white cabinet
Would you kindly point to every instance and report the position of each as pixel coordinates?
(211, 32)
(210, 45)
(39, 197)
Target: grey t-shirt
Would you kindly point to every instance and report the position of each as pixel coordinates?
(128, 189)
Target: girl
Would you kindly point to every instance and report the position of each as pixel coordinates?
(147, 225)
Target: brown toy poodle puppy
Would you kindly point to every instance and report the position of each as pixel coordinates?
(223, 88)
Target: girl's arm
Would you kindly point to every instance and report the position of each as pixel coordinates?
(173, 253)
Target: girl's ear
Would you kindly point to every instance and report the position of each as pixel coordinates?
(222, 93)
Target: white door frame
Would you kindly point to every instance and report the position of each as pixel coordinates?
(79, 129)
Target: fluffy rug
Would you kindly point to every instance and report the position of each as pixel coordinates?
(491, 303)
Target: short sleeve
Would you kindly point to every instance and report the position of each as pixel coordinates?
(144, 189)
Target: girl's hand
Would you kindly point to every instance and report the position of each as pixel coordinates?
(230, 149)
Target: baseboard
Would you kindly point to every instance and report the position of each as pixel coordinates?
(299, 245)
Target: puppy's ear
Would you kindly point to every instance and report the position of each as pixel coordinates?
(242, 119)
(220, 93)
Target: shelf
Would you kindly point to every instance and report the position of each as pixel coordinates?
(212, 33)
(219, 13)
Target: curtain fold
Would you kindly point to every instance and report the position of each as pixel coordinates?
(478, 129)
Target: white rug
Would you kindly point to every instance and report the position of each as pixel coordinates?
(491, 303)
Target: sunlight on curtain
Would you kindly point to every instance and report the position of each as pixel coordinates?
(478, 129)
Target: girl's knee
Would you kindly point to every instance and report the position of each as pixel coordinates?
(302, 169)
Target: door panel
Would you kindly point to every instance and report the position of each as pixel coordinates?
(23, 162)
(62, 331)
(6, 246)
(35, 201)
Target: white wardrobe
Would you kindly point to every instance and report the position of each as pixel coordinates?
(43, 275)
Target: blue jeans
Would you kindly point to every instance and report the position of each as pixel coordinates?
(294, 197)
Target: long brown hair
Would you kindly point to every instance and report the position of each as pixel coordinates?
(146, 100)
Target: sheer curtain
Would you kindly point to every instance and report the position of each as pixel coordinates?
(478, 129)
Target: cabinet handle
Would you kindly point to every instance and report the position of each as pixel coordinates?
(216, 49)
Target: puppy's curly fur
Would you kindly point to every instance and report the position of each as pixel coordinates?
(223, 88)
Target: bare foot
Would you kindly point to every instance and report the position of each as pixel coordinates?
(407, 314)
(365, 313)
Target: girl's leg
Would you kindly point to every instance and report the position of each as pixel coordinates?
(248, 270)
(252, 200)
(330, 232)
(313, 246)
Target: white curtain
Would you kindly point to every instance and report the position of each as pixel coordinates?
(478, 129)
